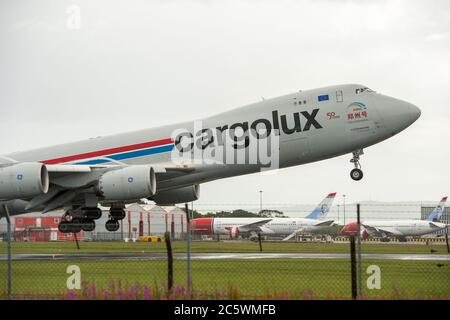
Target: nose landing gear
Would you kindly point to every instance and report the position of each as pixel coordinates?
(356, 174)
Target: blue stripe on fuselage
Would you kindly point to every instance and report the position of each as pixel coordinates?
(130, 155)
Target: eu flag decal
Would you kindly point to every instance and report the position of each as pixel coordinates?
(323, 97)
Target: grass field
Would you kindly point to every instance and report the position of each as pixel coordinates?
(224, 247)
(268, 278)
(224, 279)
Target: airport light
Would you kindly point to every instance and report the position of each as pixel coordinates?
(260, 201)
(338, 212)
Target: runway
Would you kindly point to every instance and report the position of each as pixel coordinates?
(222, 256)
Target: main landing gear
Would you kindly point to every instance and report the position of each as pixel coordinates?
(115, 214)
(356, 174)
(76, 221)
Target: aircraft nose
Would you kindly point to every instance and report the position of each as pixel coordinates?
(397, 114)
(414, 112)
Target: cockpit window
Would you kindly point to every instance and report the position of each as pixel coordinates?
(365, 89)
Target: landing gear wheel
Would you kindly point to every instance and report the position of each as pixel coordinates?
(76, 225)
(92, 213)
(112, 225)
(356, 174)
(117, 214)
(87, 225)
(64, 226)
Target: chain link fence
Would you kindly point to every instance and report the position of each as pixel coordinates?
(135, 265)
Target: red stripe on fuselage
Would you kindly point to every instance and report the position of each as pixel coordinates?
(104, 152)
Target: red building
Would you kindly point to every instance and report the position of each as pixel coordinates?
(41, 229)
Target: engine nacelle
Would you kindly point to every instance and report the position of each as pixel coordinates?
(23, 180)
(129, 183)
(352, 229)
(180, 195)
(234, 232)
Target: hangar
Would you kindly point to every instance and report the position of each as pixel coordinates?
(141, 219)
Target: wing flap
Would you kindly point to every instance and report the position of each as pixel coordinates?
(68, 168)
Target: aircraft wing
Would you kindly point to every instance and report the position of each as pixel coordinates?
(319, 223)
(54, 168)
(253, 226)
(325, 223)
(381, 232)
(436, 225)
(69, 183)
(78, 185)
(159, 169)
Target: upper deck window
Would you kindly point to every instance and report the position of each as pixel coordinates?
(365, 89)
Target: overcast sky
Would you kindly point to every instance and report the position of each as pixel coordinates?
(139, 64)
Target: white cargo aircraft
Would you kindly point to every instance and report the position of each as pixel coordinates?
(399, 228)
(234, 227)
(167, 164)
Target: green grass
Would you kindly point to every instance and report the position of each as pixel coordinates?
(265, 278)
(258, 278)
(224, 247)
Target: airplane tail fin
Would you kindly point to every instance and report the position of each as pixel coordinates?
(323, 208)
(436, 214)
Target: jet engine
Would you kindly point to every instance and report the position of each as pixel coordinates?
(23, 180)
(129, 183)
(352, 229)
(180, 195)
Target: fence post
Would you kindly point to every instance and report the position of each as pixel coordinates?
(8, 221)
(353, 266)
(260, 242)
(446, 239)
(360, 292)
(172, 228)
(76, 240)
(129, 224)
(188, 249)
(169, 261)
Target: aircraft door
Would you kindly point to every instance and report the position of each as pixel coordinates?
(339, 96)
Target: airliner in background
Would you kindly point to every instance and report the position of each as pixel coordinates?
(250, 227)
(399, 228)
(309, 125)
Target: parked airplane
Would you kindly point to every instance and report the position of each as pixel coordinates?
(399, 228)
(167, 164)
(312, 223)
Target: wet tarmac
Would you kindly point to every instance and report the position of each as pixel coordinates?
(222, 256)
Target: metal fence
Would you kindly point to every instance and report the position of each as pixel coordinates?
(104, 266)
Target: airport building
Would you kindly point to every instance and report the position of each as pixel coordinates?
(140, 220)
(156, 220)
(40, 229)
(425, 212)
